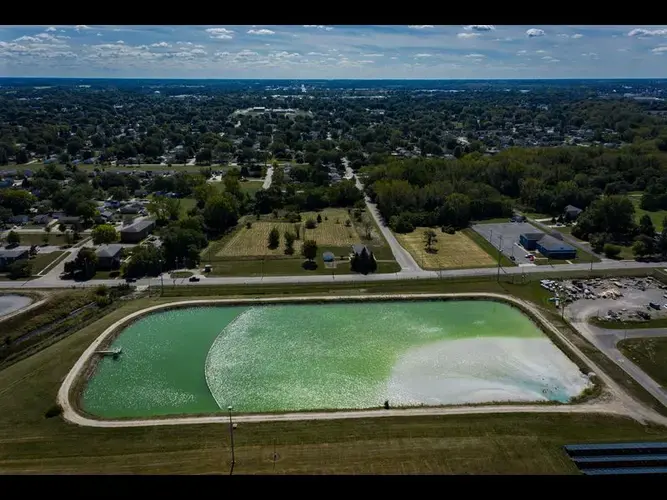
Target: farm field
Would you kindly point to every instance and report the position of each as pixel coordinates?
(331, 232)
(520, 443)
(451, 251)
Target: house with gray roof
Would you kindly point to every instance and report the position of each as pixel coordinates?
(109, 256)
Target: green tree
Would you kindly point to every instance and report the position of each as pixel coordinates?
(319, 218)
(17, 200)
(612, 251)
(290, 237)
(86, 262)
(104, 234)
(662, 240)
(220, 213)
(13, 238)
(182, 243)
(309, 249)
(639, 249)
(646, 226)
(274, 238)
(429, 239)
(20, 269)
(45, 238)
(86, 210)
(164, 209)
(146, 260)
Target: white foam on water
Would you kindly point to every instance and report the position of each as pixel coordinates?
(484, 369)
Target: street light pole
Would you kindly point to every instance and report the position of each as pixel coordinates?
(231, 436)
(500, 246)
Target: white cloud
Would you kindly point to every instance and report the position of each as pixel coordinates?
(475, 56)
(592, 55)
(318, 26)
(643, 33)
(420, 26)
(479, 27)
(522, 53)
(467, 35)
(366, 61)
(99, 34)
(120, 42)
(321, 54)
(423, 55)
(161, 44)
(81, 27)
(220, 33)
(373, 55)
(261, 32)
(535, 32)
(660, 50)
(577, 35)
(51, 29)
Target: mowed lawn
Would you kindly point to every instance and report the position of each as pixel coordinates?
(451, 251)
(253, 242)
(656, 217)
(250, 187)
(650, 354)
(466, 444)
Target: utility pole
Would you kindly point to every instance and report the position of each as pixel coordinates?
(231, 436)
(500, 246)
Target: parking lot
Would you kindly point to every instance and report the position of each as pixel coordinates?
(509, 232)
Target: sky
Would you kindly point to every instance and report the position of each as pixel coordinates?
(330, 52)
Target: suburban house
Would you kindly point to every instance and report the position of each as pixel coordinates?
(104, 217)
(137, 231)
(549, 245)
(131, 209)
(19, 220)
(70, 220)
(571, 213)
(109, 256)
(42, 220)
(9, 256)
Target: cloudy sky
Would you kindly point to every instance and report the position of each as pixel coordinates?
(318, 51)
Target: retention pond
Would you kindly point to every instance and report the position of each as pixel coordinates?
(276, 358)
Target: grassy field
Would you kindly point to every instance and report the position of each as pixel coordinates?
(44, 261)
(630, 325)
(582, 258)
(656, 217)
(331, 232)
(650, 354)
(250, 187)
(37, 238)
(245, 252)
(470, 444)
(451, 251)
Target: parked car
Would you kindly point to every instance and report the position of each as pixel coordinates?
(130, 280)
(194, 278)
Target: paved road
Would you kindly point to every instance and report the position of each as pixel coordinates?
(402, 256)
(267, 179)
(606, 340)
(51, 281)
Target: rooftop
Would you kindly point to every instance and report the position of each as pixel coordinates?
(109, 250)
(138, 226)
(553, 245)
(533, 236)
(13, 252)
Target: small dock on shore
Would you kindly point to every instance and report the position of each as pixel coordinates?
(110, 352)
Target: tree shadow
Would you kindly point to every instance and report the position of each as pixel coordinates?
(309, 265)
(432, 251)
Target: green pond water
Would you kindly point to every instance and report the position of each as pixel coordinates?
(329, 356)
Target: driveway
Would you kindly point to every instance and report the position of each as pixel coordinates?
(402, 256)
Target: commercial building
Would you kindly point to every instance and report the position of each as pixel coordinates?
(553, 248)
(529, 240)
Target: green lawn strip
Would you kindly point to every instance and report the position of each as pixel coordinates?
(488, 247)
(650, 354)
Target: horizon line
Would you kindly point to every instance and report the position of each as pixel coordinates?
(320, 79)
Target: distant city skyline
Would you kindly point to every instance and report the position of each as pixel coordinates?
(334, 52)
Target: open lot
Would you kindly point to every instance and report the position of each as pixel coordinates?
(250, 187)
(56, 238)
(451, 251)
(331, 232)
(245, 252)
(468, 444)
